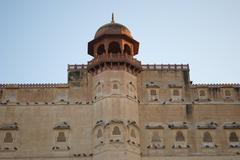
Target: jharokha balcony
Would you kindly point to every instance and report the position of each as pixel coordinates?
(114, 61)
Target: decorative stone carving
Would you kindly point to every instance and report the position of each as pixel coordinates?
(154, 126)
(181, 146)
(178, 125)
(209, 145)
(62, 125)
(232, 125)
(156, 146)
(11, 126)
(210, 125)
(152, 84)
(8, 149)
(61, 148)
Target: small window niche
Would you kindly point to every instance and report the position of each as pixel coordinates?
(133, 136)
(8, 141)
(99, 136)
(202, 94)
(176, 95)
(99, 133)
(233, 140)
(116, 131)
(179, 137)
(133, 133)
(153, 94)
(207, 140)
(115, 87)
(227, 92)
(61, 140)
(156, 140)
(116, 134)
(153, 91)
(8, 134)
(131, 90)
(180, 140)
(8, 138)
(99, 90)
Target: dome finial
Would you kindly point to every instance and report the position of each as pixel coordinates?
(113, 21)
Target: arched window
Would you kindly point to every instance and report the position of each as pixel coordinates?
(99, 133)
(8, 138)
(133, 133)
(202, 93)
(156, 137)
(114, 47)
(227, 93)
(207, 137)
(127, 49)
(101, 49)
(233, 137)
(116, 131)
(179, 136)
(153, 92)
(115, 86)
(99, 89)
(61, 137)
(176, 92)
(131, 87)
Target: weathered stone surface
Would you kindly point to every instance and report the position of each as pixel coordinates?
(120, 110)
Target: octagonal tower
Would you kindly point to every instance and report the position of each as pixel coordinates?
(115, 108)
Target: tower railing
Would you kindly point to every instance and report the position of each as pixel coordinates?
(116, 57)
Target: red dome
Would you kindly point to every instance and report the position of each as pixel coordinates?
(113, 29)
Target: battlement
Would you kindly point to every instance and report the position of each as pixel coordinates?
(165, 67)
(74, 67)
(217, 85)
(36, 85)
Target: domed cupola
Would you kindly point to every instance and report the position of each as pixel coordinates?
(113, 47)
(113, 29)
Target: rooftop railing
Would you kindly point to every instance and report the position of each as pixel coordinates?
(217, 85)
(165, 66)
(76, 66)
(132, 60)
(35, 85)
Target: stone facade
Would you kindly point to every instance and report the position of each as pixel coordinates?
(117, 108)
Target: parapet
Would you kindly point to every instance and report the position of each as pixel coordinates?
(184, 67)
(217, 85)
(34, 85)
(74, 67)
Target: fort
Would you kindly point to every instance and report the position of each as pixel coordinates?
(115, 107)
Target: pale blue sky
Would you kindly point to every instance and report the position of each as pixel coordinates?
(38, 38)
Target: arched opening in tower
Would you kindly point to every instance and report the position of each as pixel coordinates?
(114, 47)
(127, 49)
(101, 50)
